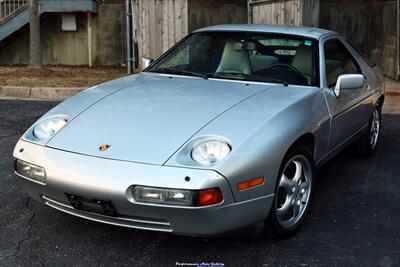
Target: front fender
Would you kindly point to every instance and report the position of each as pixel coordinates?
(261, 131)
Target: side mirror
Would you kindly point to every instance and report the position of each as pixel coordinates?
(146, 61)
(348, 81)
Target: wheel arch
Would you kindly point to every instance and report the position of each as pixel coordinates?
(381, 101)
(308, 140)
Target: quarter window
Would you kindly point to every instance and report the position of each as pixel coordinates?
(338, 61)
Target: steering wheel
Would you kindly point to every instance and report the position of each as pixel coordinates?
(290, 67)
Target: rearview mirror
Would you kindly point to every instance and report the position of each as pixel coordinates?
(348, 81)
(244, 46)
(146, 61)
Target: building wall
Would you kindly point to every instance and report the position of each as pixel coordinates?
(109, 34)
(369, 25)
(70, 48)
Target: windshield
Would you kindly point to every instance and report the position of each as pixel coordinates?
(244, 56)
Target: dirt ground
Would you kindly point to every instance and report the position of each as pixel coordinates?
(58, 76)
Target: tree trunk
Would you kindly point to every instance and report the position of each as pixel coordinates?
(35, 49)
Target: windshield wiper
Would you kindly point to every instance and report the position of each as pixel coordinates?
(253, 77)
(175, 70)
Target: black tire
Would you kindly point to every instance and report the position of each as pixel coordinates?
(274, 227)
(365, 147)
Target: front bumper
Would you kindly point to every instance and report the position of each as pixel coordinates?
(100, 178)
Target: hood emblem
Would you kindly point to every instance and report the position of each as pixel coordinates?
(104, 147)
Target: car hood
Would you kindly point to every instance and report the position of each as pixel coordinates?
(149, 120)
(273, 117)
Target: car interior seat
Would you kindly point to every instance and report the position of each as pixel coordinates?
(302, 61)
(234, 59)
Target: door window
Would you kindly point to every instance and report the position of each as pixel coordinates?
(338, 61)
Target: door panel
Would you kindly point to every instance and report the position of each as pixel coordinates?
(351, 111)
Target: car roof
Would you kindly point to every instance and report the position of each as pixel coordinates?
(309, 32)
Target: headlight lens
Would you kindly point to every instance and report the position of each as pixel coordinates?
(30, 171)
(49, 126)
(163, 196)
(210, 152)
(177, 197)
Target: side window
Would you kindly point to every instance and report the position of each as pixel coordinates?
(338, 61)
(364, 56)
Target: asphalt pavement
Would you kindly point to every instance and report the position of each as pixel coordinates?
(355, 219)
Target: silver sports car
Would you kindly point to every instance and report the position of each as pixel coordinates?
(223, 131)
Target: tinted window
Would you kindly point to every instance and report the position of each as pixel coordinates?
(244, 56)
(338, 61)
(364, 56)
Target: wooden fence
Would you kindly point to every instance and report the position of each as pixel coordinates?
(289, 12)
(159, 25)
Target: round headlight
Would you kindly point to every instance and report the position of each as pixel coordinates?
(210, 152)
(49, 126)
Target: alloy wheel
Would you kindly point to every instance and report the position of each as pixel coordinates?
(375, 128)
(293, 191)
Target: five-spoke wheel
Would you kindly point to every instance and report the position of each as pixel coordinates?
(367, 144)
(375, 128)
(293, 193)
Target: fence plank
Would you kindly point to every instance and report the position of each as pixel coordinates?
(160, 24)
(289, 12)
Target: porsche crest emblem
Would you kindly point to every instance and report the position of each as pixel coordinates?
(104, 147)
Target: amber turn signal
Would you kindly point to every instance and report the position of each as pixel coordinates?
(209, 197)
(250, 183)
